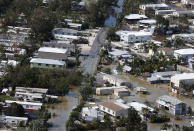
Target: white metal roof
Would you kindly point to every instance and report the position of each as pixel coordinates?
(16, 118)
(89, 111)
(170, 99)
(33, 95)
(117, 52)
(127, 68)
(74, 24)
(65, 37)
(135, 17)
(166, 73)
(27, 89)
(136, 33)
(183, 76)
(47, 61)
(148, 21)
(139, 106)
(188, 51)
(111, 88)
(155, 5)
(23, 103)
(52, 50)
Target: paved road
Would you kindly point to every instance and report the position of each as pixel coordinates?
(98, 42)
(89, 65)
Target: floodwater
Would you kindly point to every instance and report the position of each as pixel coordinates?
(62, 111)
(154, 92)
(111, 20)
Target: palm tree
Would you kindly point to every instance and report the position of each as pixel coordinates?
(154, 48)
(134, 122)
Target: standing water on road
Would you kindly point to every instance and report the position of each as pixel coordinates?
(111, 20)
(62, 111)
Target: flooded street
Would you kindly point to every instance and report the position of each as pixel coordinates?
(111, 20)
(62, 111)
(154, 92)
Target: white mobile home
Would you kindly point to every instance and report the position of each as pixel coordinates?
(29, 96)
(75, 26)
(186, 37)
(64, 33)
(161, 6)
(12, 120)
(184, 53)
(183, 13)
(28, 106)
(31, 90)
(164, 12)
(148, 22)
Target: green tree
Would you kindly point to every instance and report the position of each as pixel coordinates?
(86, 92)
(77, 52)
(190, 110)
(111, 35)
(179, 42)
(168, 43)
(4, 4)
(134, 122)
(107, 125)
(42, 22)
(92, 80)
(10, 18)
(15, 110)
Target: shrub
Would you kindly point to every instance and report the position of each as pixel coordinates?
(159, 119)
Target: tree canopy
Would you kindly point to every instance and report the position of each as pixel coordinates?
(15, 110)
(57, 81)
